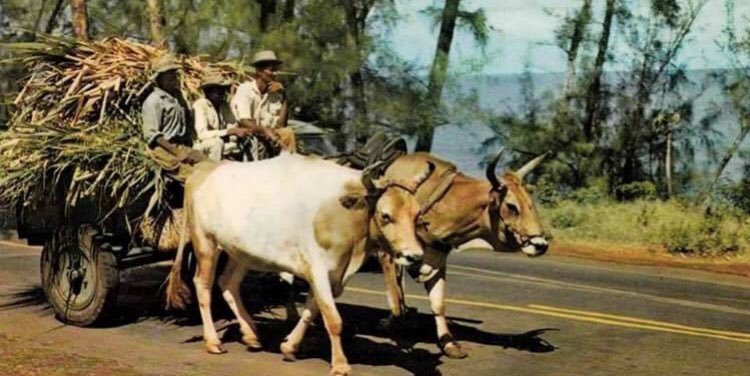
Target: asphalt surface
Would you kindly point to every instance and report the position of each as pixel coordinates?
(516, 316)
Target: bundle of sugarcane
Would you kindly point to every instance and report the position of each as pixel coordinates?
(77, 122)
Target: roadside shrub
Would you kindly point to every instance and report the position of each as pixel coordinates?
(737, 194)
(679, 239)
(547, 193)
(745, 231)
(672, 226)
(567, 215)
(643, 190)
(718, 232)
(589, 195)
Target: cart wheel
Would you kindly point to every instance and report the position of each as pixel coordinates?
(79, 279)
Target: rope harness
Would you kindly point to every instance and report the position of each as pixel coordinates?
(441, 188)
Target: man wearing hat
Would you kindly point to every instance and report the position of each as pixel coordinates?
(260, 104)
(215, 127)
(165, 122)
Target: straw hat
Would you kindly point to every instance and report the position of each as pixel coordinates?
(163, 64)
(211, 78)
(265, 56)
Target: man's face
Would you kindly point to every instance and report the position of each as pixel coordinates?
(267, 71)
(169, 81)
(216, 93)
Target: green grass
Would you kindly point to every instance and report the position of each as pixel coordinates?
(662, 226)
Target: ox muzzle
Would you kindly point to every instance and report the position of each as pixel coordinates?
(408, 257)
(535, 246)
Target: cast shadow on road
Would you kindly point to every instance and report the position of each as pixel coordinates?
(366, 341)
(25, 297)
(420, 328)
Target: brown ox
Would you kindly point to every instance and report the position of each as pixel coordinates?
(456, 209)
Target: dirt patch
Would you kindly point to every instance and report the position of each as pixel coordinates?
(645, 256)
(21, 358)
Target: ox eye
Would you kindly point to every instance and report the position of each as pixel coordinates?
(513, 209)
(386, 218)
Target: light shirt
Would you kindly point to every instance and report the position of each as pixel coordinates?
(249, 103)
(211, 125)
(163, 115)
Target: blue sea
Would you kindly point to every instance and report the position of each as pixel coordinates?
(460, 142)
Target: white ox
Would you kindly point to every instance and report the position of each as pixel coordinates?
(301, 215)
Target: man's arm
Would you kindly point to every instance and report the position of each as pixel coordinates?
(252, 126)
(168, 146)
(185, 155)
(284, 115)
(151, 117)
(248, 123)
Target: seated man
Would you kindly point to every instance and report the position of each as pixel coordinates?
(260, 105)
(165, 126)
(215, 128)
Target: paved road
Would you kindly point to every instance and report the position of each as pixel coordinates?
(517, 316)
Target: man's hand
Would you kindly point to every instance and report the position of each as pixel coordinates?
(239, 132)
(256, 130)
(190, 156)
(260, 131)
(270, 134)
(275, 87)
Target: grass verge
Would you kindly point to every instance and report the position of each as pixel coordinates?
(652, 232)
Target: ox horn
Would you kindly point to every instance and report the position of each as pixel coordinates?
(531, 165)
(490, 172)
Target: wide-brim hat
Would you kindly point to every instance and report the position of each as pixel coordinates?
(265, 57)
(163, 64)
(214, 79)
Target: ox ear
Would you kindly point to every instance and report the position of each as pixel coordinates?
(353, 201)
(422, 177)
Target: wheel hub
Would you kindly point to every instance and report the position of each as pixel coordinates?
(76, 277)
(76, 285)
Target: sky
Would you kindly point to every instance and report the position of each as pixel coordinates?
(524, 29)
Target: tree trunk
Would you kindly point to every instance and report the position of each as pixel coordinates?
(267, 8)
(360, 105)
(289, 10)
(728, 155)
(356, 20)
(156, 22)
(39, 16)
(668, 162)
(439, 72)
(52, 21)
(80, 19)
(592, 97)
(579, 27)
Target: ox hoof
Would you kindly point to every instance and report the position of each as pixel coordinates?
(215, 348)
(288, 351)
(454, 350)
(252, 343)
(341, 370)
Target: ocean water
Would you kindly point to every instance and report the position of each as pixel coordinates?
(460, 142)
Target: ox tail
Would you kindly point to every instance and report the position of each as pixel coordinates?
(178, 293)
